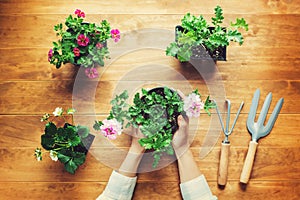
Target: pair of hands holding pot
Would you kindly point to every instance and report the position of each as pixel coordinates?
(180, 141)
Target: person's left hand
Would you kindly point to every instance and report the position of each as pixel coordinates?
(135, 145)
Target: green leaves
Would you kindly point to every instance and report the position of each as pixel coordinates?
(47, 142)
(240, 23)
(71, 160)
(209, 104)
(67, 142)
(90, 55)
(119, 110)
(155, 113)
(172, 49)
(83, 131)
(97, 125)
(195, 31)
(235, 36)
(218, 19)
(50, 129)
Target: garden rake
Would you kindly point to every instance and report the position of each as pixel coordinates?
(258, 130)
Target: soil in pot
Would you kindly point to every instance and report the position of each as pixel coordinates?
(200, 52)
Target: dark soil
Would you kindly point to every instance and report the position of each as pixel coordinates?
(201, 52)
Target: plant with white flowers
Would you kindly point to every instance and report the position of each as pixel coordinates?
(65, 144)
(155, 113)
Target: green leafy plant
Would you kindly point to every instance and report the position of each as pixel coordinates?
(155, 112)
(81, 43)
(196, 32)
(64, 143)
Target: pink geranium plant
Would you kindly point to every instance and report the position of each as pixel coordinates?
(155, 112)
(82, 44)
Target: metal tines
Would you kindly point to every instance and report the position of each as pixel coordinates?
(226, 130)
(224, 157)
(258, 129)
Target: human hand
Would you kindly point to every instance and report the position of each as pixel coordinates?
(132, 160)
(135, 145)
(180, 141)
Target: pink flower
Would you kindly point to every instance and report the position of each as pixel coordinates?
(193, 105)
(111, 128)
(91, 72)
(99, 45)
(115, 34)
(50, 54)
(82, 40)
(79, 13)
(76, 51)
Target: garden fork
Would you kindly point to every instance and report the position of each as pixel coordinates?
(258, 130)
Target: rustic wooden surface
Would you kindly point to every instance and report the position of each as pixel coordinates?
(30, 86)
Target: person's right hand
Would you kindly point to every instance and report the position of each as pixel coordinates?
(180, 140)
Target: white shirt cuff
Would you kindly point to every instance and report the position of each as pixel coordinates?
(119, 187)
(196, 189)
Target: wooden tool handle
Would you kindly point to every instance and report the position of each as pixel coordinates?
(223, 166)
(248, 164)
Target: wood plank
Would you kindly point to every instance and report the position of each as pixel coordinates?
(29, 96)
(149, 7)
(18, 164)
(32, 65)
(282, 24)
(279, 190)
(151, 190)
(21, 31)
(25, 131)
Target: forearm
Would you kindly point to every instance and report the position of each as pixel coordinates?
(188, 168)
(131, 162)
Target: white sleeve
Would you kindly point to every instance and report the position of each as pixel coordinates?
(196, 189)
(119, 187)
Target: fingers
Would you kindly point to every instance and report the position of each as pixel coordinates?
(138, 133)
(182, 121)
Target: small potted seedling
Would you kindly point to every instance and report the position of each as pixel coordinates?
(197, 39)
(68, 143)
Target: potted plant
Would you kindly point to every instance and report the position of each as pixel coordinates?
(69, 144)
(155, 113)
(196, 39)
(82, 44)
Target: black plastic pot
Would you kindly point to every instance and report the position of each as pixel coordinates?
(86, 142)
(203, 53)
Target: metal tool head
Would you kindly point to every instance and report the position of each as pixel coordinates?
(226, 130)
(257, 129)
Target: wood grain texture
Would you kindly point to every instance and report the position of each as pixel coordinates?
(149, 7)
(21, 27)
(17, 97)
(25, 131)
(30, 86)
(268, 166)
(280, 190)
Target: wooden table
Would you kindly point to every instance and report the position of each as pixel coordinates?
(30, 86)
